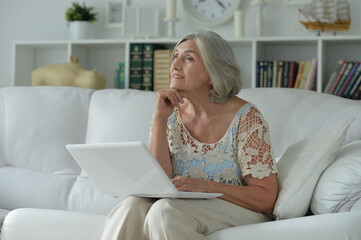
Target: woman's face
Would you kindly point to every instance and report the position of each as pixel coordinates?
(188, 72)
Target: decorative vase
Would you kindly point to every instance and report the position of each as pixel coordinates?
(80, 30)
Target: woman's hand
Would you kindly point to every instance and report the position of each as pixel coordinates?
(186, 184)
(167, 100)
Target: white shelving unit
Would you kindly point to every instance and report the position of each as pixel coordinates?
(104, 55)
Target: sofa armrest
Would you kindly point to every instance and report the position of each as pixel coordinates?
(3, 214)
(333, 226)
(44, 224)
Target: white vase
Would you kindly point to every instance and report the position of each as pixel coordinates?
(80, 30)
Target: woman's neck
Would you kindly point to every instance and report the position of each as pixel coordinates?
(199, 105)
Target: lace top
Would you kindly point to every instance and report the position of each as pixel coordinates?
(244, 149)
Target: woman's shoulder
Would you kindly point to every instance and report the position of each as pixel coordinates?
(236, 104)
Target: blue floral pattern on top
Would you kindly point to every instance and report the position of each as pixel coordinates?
(244, 149)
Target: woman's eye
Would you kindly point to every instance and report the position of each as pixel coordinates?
(189, 59)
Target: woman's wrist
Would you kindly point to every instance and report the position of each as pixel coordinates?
(160, 118)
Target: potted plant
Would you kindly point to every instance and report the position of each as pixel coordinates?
(80, 18)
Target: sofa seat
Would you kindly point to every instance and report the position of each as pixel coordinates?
(61, 225)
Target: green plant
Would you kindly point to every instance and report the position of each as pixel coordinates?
(80, 13)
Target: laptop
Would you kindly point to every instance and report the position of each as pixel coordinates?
(127, 169)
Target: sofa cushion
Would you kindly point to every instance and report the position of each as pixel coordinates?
(339, 187)
(300, 167)
(294, 114)
(41, 224)
(120, 115)
(37, 123)
(114, 116)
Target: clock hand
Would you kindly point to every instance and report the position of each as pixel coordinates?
(221, 4)
(199, 1)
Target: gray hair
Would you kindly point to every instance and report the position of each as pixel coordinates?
(219, 62)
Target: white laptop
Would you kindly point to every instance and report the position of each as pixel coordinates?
(127, 169)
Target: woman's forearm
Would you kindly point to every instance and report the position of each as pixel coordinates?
(255, 197)
(158, 144)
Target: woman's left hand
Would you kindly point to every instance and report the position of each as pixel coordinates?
(187, 184)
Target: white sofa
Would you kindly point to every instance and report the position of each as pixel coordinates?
(45, 195)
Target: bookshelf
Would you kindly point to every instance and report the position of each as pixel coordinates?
(104, 55)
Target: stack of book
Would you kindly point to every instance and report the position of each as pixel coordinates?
(345, 80)
(136, 66)
(162, 63)
(289, 74)
(141, 69)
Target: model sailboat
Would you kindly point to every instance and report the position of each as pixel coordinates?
(327, 15)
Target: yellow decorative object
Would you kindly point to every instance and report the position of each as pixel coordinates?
(68, 74)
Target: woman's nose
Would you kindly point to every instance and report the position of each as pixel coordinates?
(176, 64)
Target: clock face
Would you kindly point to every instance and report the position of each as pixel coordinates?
(211, 12)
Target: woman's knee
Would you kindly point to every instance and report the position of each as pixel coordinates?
(128, 204)
(160, 212)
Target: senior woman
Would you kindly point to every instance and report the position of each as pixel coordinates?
(207, 140)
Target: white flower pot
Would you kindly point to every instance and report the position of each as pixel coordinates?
(80, 30)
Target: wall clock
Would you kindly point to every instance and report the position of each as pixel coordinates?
(211, 12)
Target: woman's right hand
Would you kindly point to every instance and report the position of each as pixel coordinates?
(167, 100)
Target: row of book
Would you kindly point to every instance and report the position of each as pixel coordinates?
(289, 74)
(345, 80)
(149, 66)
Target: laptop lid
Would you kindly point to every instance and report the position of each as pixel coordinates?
(126, 168)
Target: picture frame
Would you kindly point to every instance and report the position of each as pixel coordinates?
(115, 13)
(141, 22)
(297, 2)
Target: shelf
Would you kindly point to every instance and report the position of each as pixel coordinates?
(105, 54)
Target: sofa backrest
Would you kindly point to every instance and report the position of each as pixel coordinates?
(114, 116)
(294, 114)
(37, 122)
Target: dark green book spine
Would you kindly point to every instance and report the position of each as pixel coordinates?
(136, 62)
(148, 62)
(121, 75)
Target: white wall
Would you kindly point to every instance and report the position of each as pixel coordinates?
(45, 20)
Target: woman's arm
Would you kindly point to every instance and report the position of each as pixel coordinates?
(167, 100)
(259, 195)
(158, 144)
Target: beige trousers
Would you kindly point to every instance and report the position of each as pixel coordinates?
(176, 219)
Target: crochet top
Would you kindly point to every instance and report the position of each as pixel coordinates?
(244, 149)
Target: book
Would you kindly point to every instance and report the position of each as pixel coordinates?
(354, 88)
(357, 95)
(352, 81)
(274, 77)
(343, 78)
(135, 68)
(304, 75)
(121, 75)
(162, 64)
(348, 79)
(339, 75)
(293, 74)
(258, 83)
(333, 76)
(311, 78)
(261, 70)
(269, 74)
(280, 73)
(299, 74)
(265, 73)
(147, 65)
(286, 73)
